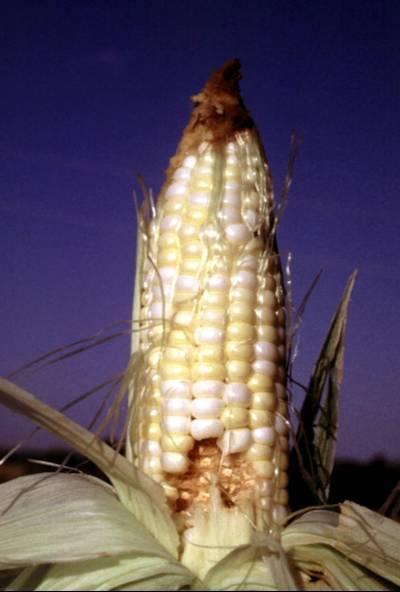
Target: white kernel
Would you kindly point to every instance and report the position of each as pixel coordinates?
(176, 189)
(237, 233)
(167, 274)
(171, 223)
(230, 215)
(266, 351)
(189, 161)
(151, 447)
(235, 185)
(199, 199)
(232, 199)
(174, 462)
(237, 394)
(218, 282)
(176, 424)
(201, 429)
(252, 219)
(212, 316)
(184, 318)
(187, 283)
(265, 435)
(163, 291)
(176, 389)
(231, 148)
(158, 310)
(207, 407)
(244, 279)
(207, 388)
(152, 464)
(232, 159)
(249, 262)
(172, 406)
(209, 335)
(265, 367)
(182, 174)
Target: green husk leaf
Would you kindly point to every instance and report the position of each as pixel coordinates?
(142, 496)
(313, 454)
(365, 537)
(49, 518)
(107, 573)
(263, 566)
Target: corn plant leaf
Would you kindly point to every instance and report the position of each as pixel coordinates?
(48, 518)
(362, 536)
(142, 496)
(252, 567)
(132, 572)
(313, 453)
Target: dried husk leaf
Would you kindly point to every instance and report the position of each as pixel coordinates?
(142, 496)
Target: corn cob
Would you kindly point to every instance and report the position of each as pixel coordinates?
(210, 413)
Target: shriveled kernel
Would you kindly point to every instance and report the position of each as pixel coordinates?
(260, 418)
(208, 371)
(238, 371)
(240, 332)
(235, 417)
(259, 452)
(177, 443)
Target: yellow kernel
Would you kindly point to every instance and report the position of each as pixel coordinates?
(238, 371)
(189, 232)
(154, 357)
(174, 371)
(266, 400)
(198, 214)
(174, 205)
(269, 283)
(282, 497)
(151, 431)
(260, 418)
(235, 417)
(215, 298)
(210, 353)
(151, 414)
(260, 382)
(268, 333)
(177, 355)
(244, 295)
(168, 257)
(259, 452)
(283, 461)
(212, 316)
(255, 246)
(168, 240)
(190, 266)
(283, 480)
(240, 351)
(193, 249)
(241, 332)
(178, 337)
(176, 443)
(208, 371)
(239, 311)
(266, 316)
(264, 468)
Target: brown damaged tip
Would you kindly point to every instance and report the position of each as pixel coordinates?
(219, 112)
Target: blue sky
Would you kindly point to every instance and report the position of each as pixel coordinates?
(96, 92)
